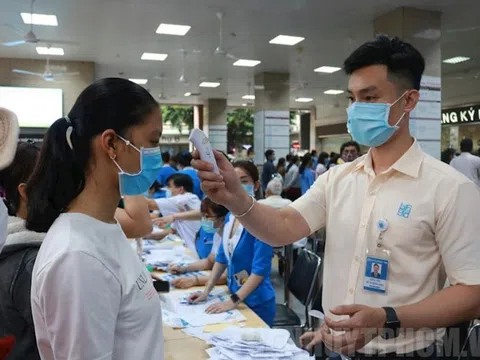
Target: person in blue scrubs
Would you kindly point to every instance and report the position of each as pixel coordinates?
(183, 163)
(208, 241)
(307, 175)
(166, 171)
(247, 259)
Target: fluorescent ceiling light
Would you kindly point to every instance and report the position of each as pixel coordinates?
(248, 97)
(139, 81)
(333, 92)
(154, 56)
(327, 69)
(42, 50)
(456, 60)
(172, 29)
(303, 100)
(244, 104)
(209, 84)
(245, 62)
(188, 94)
(286, 40)
(39, 19)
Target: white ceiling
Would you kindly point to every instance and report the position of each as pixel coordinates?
(115, 33)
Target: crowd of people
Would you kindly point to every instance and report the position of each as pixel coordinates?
(398, 225)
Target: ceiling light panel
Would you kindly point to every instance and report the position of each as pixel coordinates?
(303, 100)
(333, 92)
(456, 60)
(248, 97)
(327, 69)
(208, 84)
(286, 40)
(139, 81)
(172, 29)
(247, 63)
(154, 56)
(41, 50)
(39, 19)
(188, 94)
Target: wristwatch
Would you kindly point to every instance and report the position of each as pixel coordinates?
(235, 298)
(392, 324)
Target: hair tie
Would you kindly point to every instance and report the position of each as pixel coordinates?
(69, 131)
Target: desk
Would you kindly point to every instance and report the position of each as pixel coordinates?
(180, 346)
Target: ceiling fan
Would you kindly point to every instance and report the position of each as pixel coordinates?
(183, 78)
(220, 50)
(48, 74)
(31, 38)
(162, 95)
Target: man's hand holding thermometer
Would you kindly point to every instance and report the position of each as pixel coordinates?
(219, 179)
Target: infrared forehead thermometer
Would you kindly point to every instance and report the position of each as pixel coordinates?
(202, 144)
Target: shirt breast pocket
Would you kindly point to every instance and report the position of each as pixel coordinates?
(405, 241)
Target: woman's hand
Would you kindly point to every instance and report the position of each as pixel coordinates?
(176, 269)
(224, 189)
(162, 222)
(221, 307)
(197, 297)
(184, 283)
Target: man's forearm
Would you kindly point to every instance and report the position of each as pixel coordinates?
(273, 226)
(447, 307)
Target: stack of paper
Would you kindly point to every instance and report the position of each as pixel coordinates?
(179, 314)
(161, 258)
(170, 277)
(249, 344)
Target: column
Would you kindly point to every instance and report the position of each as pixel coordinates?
(422, 29)
(313, 128)
(272, 115)
(215, 122)
(305, 143)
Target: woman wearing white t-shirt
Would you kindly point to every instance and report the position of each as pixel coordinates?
(92, 298)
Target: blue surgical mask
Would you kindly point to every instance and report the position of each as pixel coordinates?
(150, 164)
(249, 189)
(168, 193)
(208, 226)
(368, 122)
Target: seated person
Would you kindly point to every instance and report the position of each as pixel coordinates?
(166, 171)
(247, 259)
(179, 199)
(213, 220)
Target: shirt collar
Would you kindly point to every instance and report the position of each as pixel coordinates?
(409, 164)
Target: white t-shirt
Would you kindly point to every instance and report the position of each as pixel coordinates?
(320, 169)
(217, 240)
(468, 165)
(92, 298)
(187, 230)
(3, 224)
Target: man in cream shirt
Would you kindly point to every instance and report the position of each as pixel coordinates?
(395, 206)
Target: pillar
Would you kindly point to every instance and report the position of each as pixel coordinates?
(422, 29)
(272, 115)
(305, 143)
(215, 122)
(313, 128)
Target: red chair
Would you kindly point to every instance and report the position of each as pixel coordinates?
(6, 345)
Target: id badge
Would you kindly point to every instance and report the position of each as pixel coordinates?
(241, 277)
(377, 264)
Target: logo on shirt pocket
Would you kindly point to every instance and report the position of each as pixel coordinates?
(404, 210)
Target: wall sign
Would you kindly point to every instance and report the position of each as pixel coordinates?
(463, 115)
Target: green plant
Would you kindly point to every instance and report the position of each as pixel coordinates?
(240, 128)
(178, 116)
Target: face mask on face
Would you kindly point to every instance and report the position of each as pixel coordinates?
(249, 189)
(208, 226)
(168, 193)
(150, 164)
(368, 122)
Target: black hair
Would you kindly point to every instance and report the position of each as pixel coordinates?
(251, 170)
(280, 163)
(184, 158)
(59, 177)
(288, 157)
(348, 144)
(166, 157)
(322, 158)
(250, 151)
(218, 210)
(293, 161)
(307, 159)
(466, 145)
(314, 152)
(182, 180)
(156, 186)
(268, 153)
(332, 154)
(447, 155)
(18, 172)
(333, 160)
(405, 64)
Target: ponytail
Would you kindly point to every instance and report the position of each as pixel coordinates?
(58, 178)
(63, 166)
